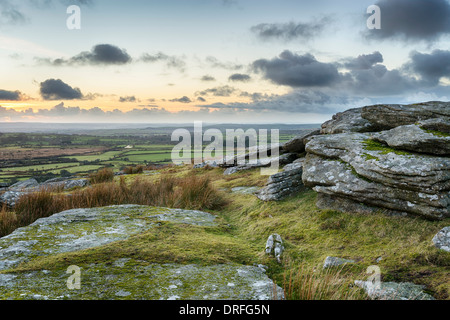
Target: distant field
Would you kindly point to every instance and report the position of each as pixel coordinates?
(25, 155)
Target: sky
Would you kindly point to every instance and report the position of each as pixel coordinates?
(217, 61)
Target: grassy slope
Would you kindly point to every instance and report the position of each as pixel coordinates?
(310, 235)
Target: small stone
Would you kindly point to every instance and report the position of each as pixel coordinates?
(442, 239)
(122, 293)
(274, 246)
(393, 291)
(335, 261)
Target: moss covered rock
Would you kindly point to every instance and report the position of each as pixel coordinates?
(129, 252)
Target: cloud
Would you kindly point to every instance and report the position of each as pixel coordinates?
(294, 70)
(297, 101)
(291, 30)
(6, 95)
(182, 100)
(412, 20)
(379, 81)
(207, 78)
(53, 89)
(215, 63)
(431, 67)
(240, 77)
(101, 54)
(223, 91)
(364, 61)
(363, 75)
(201, 99)
(128, 99)
(171, 61)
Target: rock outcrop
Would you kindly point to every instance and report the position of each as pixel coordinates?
(404, 169)
(394, 291)
(274, 246)
(416, 139)
(127, 277)
(283, 159)
(442, 239)
(389, 116)
(284, 183)
(347, 121)
(298, 143)
(13, 193)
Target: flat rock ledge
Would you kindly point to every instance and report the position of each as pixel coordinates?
(352, 174)
(125, 278)
(80, 229)
(284, 183)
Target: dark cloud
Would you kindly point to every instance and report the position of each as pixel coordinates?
(240, 77)
(171, 61)
(378, 81)
(291, 30)
(128, 99)
(412, 20)
(431, 67)
(182, 100)
(224, 91)
(215, 63)
(201, 99)
(53, 89)
(364, 61)
(101, 54)
(364, 74)
(6, 95)
(295, 70)
(297, 101)
(207, 78)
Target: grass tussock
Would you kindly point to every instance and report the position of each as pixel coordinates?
(133, 170)
(8, 221)
(102, 176)
(304, 283)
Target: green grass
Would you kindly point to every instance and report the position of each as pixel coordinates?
(436, 133)
(102, 157)
(45, 167)
(309, 234)
(372, 145)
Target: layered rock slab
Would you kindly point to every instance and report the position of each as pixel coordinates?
(351, 175)
(128, 279)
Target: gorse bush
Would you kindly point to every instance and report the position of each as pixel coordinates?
(196, 193)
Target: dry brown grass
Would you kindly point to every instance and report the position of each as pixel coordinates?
(317, 284)
(8, 221)
(133, 170)
(190, 192)
(102, 176)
